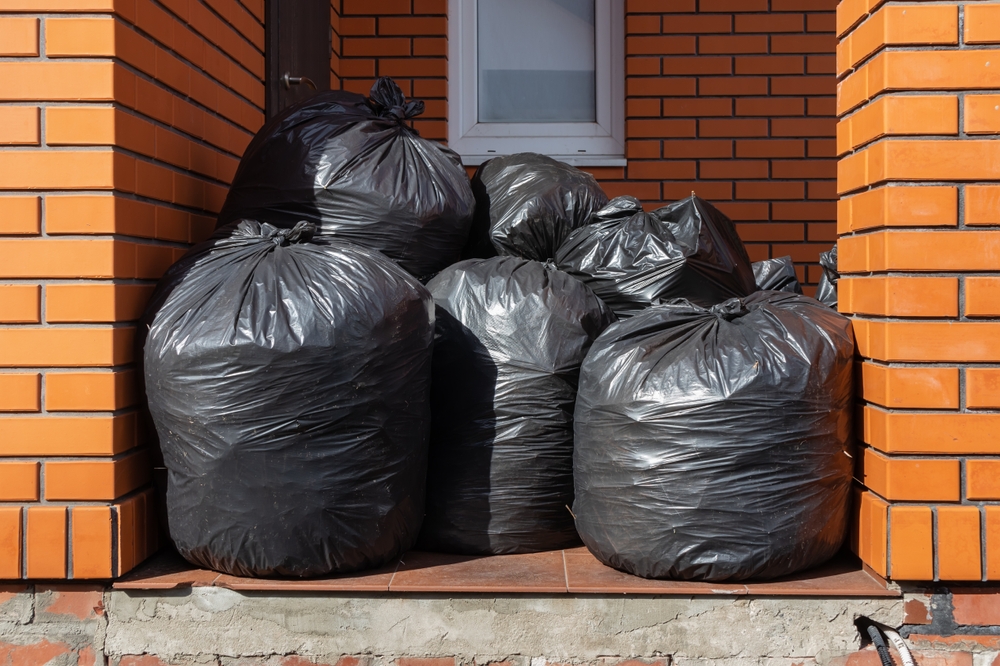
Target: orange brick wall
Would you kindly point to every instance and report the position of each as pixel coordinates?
(121, 122)
(919, 226)
(733, 99)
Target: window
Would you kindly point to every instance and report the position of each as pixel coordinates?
(545, 76)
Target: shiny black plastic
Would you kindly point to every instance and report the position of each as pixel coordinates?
(826, 291)
(716, 444)
(510, 337)
(633, 259)
(776, 274)
(527, 204)
(289, 382)
(355, 168)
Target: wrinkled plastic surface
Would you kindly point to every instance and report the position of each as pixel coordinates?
(289, 382)
(716, 444)
(776, 274)
(826, 291)
(510, 337)
(527, 204)
(633, 259)
(354, 168)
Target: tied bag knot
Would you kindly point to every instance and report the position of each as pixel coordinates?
(388, 101)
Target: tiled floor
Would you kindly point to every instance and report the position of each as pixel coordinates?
(573, 571)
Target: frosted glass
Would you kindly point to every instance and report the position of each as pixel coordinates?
(536, 61)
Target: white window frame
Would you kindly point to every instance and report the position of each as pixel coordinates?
(600, 143)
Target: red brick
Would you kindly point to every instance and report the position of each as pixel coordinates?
(41, 652)
(642, 24)
(771, 232)
(976, 606)
(411, 25)
(732, 128)
(752, 190)
(378, 47)
(660, 6)
(804, 210)
(430, 7)
(744, 211)
(642, 66)
(661, 170)
(357, 26)
(660, 45)
(732, 85)
(711, 190)
(821, 148)
(642, 149)
(804, 169)
(797, 127)
(770, 106)
(660, 128)
(733, 169)
(719, 44)
(380, 7)
(770, 148)
(821, 64)
(732, 5)
(697, 65)
(83, 602)
(915, 611)
(698, 24)
(769, 23)
(826, 22)
(804, 85)
(803, 43)
(770, 65)
(697, 108)
(660, 86)
(698, 148)
(427, 67)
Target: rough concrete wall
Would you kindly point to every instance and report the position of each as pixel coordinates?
(77, 625)
(85, 626)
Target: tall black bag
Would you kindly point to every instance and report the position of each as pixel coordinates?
(510, 337)
(289, 382)
(356, 169)
(716, 444)
(633, 259)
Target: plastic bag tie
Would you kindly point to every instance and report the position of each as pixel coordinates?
(729, 310)
(388, 101)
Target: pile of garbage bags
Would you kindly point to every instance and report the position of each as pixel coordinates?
(373, 353)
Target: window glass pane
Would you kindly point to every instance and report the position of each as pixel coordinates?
(536, 61)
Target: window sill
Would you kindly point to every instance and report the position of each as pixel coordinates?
(573, 571)
(573, 160)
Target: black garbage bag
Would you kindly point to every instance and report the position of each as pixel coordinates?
(715, 444)
(826, 291)
(776, 275)
(510, 337)
(633, 259)
(289, 382)
(355, 168)
(527, 204)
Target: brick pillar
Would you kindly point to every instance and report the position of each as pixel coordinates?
(119, 130)
(918, 233)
